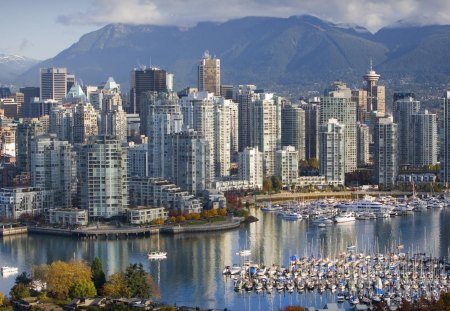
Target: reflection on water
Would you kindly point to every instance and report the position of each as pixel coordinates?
(191, 275)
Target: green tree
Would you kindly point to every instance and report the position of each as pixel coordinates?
(117, 286)
(98, 276)
(19, 291)
(267, 184)
(313, 163)
(137, 281)
(276, 183)
(23, 278)
(82, 288)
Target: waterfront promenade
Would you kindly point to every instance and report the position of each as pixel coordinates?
(115, 232)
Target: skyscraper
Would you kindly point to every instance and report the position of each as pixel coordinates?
(25, 132)
(145, 80)
(375, 93)
(293, 129)
(187, 161)
(102, 177)
(332, 146)
(385, 152)
(113, 119)
(52, 167)
(337, 104)
(444, 150)
(53, 83)
(424, 138)
(84, 123)
(162, 118)
(286, 165)
(403, 110)
(209, 74)
(251, 166)
(245, 95)
(360, 98)
(363, 141)
(311, 128)
(265, 131)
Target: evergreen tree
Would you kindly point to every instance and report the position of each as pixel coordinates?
(137, 281)
(98, 276)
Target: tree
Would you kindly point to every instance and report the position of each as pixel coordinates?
(277, 183)
(19, 291)
(117, 286)
(23, 278)
(98, 276)
(313, 163)
(294, 308)
(267, 184)
(60, 276)
(82, 288)
(137, 281)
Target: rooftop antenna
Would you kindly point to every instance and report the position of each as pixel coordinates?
(370, 64)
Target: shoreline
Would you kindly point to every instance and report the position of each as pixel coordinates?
(110, 232)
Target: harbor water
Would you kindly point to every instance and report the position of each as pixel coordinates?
(192, 273)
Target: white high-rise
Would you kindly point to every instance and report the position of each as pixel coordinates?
(52, 167)
(444, 150)
(337, 104)
(385, 152)
(113, 119)
(332, 151)
(163, 117)
(362, 131)
(251, 166)
(265, 130)
(286, 165)
(102, 177)
(424, 138)
(403, 110)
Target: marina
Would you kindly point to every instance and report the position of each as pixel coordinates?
(192, 273)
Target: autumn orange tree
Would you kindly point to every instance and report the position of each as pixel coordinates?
(60, 276)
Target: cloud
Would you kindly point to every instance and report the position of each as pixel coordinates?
(372, 14)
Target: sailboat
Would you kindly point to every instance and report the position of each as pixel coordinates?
(158, 254)
(246, 251)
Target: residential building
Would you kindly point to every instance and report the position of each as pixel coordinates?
(67, 216)
(209, 74)
(251, 166)
(363, 142)
(113, 119)
(312, 128)
(138, 160)
(332, 152)
(244, 95)
(15, 202)
(293, 129)
(286, 165)
(52, 168)
(146, 214)
(25, 132)
(102, 177)
(385, 152)
(424, 138)
(403, 109)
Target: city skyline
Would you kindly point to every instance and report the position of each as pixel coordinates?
(33, 35)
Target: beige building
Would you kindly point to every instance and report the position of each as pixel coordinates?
(209, 74)
(67, 216)
(146, 214)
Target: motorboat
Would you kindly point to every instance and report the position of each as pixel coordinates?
(345, 217)
(292, 215)
(7, 270)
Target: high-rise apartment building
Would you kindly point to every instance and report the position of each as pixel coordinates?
(332, 151)
(293, 129)
(187, 161)
(403, 109)
(53, 83)
(444, 148)
(286, 165)
(360, 98)
(424, 138)
(138, 160)
(375, 93)
(162, 118)
(245, 95)
(363, 142)
(209, 74)
(145, 80)
(337, 104)
(85, 123)
(113, 119)
(251, 166)
(311, 128)
(102, 177)
(52, 168)
(25, 132)
(385, 152)
(265, 130)
(61, 122)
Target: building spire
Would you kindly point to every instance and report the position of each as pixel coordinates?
(370, 68)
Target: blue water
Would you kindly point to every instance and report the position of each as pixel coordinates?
(191, 275)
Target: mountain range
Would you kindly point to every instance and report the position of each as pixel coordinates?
(299, 52)
(12, 66)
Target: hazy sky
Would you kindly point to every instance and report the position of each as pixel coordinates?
(42, 28)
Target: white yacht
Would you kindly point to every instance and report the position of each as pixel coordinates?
(345, 217)
(292, 215)
(7, 270)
